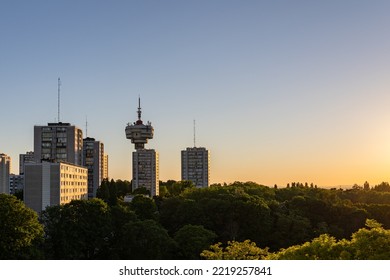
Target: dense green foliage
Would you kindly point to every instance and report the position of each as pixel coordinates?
(77, 230)
(235, 250)
(299, 221)
(113, 191)
(192, 240)
(371, 243)
(20, 231)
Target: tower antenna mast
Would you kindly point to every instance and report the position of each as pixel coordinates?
(194, 135)
(139, 108)
(59, 98)
(86, 126)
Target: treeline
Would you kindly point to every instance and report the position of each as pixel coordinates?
(185, 221)
(370, 243)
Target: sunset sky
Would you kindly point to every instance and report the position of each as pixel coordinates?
(281, 91)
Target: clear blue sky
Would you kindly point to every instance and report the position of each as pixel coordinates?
(281, 91)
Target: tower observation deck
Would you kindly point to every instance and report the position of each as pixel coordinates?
(138, 132)
(145, 161)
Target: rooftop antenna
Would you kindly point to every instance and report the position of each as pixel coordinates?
(194, 135)
(86, 126)
(139, 108)
(59, 99)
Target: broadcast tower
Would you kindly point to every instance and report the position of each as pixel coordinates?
(145, 161)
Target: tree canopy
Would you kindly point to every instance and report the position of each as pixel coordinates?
(235, 250)
(192, 240)
(370, 243)
(300, 221)
(20, 230)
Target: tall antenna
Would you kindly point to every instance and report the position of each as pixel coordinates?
(86, 126)
(194, 135)
(139, 108)
(59, 98)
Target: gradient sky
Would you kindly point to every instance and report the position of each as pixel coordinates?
(281, 91)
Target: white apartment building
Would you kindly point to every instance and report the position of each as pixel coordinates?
(195, 166)
(48, 184)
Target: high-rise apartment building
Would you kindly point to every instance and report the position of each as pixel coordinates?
(146, 170)
(49, 184)
(145, 161)
(16, 183)
(195, 166)
(28, 157)
(5, 167)
(58, 142)
(105, 167)
(93, 160)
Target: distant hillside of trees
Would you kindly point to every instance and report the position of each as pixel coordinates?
(185, 222)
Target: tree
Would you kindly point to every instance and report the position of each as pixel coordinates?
(144, 207)
(246, 250)
(170, 217)
(192, 240)
(120, 216)
(78, 230)
(112, 191)
(142, 191)
(382, 187)
(164, 188)
(288, 229)
(324, 247)
(20, 230)
(19, 194)
(371, 243)
(231, 212)
(379, 212)
(123, 188)
(103, 192)
(163, 191)
(146, 240)
(178, 187)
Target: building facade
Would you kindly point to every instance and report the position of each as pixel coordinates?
(146, 171)
(16, 183)
(5, 167)
(54, 183)
(58, 142)
(105, 167)
(195, 166)
(93, 160)
(28, 157)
